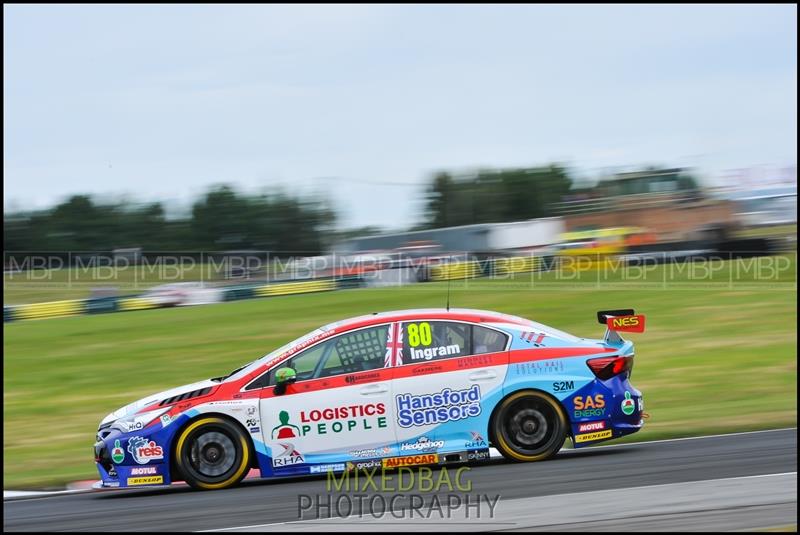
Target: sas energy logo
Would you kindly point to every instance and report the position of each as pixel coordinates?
(589, 406)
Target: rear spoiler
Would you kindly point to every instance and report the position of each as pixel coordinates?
(625, 320)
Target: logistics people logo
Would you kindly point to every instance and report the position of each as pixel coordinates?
(285, 429)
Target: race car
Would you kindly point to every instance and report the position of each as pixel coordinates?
(386, 390)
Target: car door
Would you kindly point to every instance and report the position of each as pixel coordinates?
(338, 409)
(450, 379)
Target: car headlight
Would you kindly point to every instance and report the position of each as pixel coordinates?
(134, 422)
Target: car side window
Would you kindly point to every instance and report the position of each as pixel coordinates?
(356, 351)
(435, 340)
(485, 340)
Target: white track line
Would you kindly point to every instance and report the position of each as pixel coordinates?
(493, 453)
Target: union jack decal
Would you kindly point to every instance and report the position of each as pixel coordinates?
(394, 347)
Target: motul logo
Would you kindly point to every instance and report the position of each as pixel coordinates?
(591, 426)
(634, 324)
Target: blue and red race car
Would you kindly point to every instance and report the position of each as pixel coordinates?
(412, 387)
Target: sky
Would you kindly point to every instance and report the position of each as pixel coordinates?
(363, 103)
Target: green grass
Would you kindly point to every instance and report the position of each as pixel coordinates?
(718, 356)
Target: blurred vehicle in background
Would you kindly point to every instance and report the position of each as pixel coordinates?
(178, 293)
(604, 241)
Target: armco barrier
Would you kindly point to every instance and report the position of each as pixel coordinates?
(121, 304)
(53, 309)
(489, 267)
(100, 305)
(295, 288)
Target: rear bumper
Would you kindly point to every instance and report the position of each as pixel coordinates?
(617, 411)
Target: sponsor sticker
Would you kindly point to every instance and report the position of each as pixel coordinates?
(431, 409)
(593, 436)
(477, 455)
(144, 471)
(371, 452)
(412, 460)
(350, 379)
(364, 465)
(591, 426)
(332, 420)
(539, 367)
(117, 453)
(166, 419)
(628, 406)
(150, 480)
(588, 406)
(422, 444)
(632, 324)
(144, 450)
(563, 386)
(477, 441)
(288, 456)
(322, 468)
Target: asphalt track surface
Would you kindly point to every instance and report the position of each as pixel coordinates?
(726, 482)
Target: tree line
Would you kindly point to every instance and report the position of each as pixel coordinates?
(226, 220)
(221, 220)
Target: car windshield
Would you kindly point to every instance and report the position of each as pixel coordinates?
(244, 370)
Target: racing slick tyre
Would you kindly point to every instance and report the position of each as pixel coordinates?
(529, 426)
(212, 453)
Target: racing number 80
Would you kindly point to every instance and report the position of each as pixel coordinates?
(419, 334)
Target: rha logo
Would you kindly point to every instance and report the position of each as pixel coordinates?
(591, 426)
(144, 451)
(288, 456)
(476, 442)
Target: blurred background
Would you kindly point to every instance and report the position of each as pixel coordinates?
(295, 165)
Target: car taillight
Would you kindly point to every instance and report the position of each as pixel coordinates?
(607, 367)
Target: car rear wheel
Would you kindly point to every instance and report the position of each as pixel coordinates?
(529, 426)
(212, 453)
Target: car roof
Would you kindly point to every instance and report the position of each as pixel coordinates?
(453, 314)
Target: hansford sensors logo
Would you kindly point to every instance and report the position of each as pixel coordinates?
(429, 409)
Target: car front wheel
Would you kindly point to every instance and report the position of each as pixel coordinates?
(212, 453)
